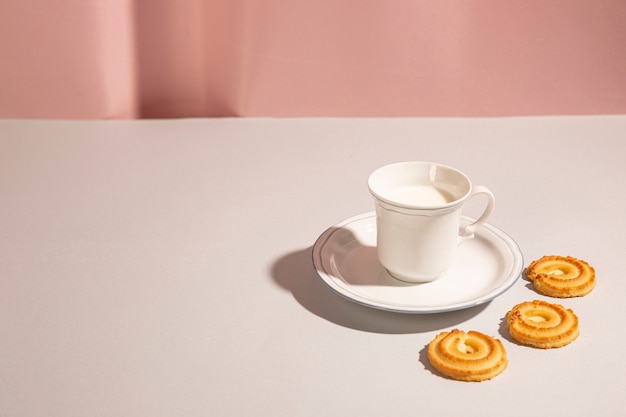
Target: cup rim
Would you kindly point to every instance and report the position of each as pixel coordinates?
(386, 200)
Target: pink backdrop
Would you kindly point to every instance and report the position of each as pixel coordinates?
(181, 58)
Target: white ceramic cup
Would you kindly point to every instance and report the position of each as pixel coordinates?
(418, 210)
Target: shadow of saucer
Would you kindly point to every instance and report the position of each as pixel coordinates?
(295, 273)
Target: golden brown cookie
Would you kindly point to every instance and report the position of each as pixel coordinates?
(470, 356)
(541, 324)
(561, 276)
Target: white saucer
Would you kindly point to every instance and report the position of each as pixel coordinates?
(345, 258)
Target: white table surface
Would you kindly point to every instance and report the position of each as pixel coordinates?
(162, 268)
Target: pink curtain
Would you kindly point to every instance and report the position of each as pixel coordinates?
(285, 58)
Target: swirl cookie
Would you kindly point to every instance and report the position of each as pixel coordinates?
(470, 356)
(542, 325)
(561, 276)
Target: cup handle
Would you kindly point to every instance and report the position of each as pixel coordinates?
(467, 232)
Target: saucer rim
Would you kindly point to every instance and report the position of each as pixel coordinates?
(512, 277)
